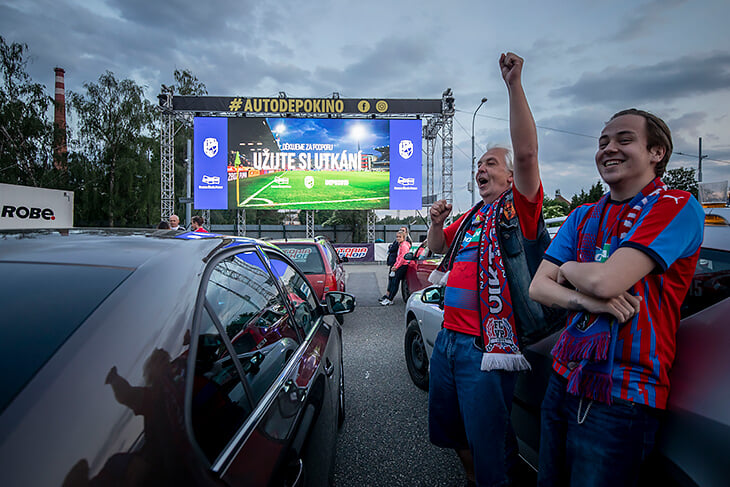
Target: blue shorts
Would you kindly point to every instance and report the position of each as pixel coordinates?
(589, 443)
(470, 409)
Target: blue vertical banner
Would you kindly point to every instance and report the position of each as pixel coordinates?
(405, 164)
(210, 175)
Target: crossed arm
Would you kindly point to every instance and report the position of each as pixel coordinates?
(594, 286)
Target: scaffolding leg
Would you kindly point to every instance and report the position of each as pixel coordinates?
(241, 222)
(309, 215)
(371, 226)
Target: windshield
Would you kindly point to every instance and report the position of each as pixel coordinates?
(306, 257)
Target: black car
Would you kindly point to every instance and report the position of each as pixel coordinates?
(159, 358)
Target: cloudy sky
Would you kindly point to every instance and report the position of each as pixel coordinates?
(583, 62)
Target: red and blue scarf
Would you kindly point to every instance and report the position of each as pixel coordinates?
(588, 343)
(497, 319)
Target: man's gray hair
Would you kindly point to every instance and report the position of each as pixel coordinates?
(507, 154)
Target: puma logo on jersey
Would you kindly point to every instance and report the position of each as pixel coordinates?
(675, 198)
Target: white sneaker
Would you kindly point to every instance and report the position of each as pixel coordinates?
(386, 302)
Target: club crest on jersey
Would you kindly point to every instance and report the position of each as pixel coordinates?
(586, 322)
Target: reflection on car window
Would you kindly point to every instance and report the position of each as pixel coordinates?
(331, 254)
(301, 295)
(219, 403)
(242, 300)
(306, 257)
(711, 282)
(254, 315)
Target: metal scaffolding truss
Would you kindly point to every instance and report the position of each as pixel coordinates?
(167, 159)
(447, 157)
(371, 226)
(241, 222)
(310, 223)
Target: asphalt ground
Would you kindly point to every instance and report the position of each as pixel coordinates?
(384, 440)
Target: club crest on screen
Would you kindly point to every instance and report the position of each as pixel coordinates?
(210, 146)
(405, 149)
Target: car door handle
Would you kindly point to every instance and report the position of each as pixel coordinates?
(295, 393)
(329, 368)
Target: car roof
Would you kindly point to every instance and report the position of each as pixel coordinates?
(109, 247)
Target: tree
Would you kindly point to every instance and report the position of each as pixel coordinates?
(554, 208)
(115, 130)
(681, 178)
(356, 219)
(25, 133)
(594, 194)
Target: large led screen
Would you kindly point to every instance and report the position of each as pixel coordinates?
(307, 163)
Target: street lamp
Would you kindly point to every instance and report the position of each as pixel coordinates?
(472, 149)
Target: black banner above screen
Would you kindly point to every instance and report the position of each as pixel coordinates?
(307, 106)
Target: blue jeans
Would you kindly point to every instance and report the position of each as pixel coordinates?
(470, 409)
(607, 449)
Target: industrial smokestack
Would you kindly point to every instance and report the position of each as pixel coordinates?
(59, 123)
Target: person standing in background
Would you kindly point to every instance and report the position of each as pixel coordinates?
(398, 269)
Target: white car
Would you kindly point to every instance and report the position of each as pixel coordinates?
(424, 318)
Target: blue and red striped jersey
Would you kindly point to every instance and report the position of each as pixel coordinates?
(461, 299)
(669, 230)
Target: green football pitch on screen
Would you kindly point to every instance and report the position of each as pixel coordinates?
(312, 190)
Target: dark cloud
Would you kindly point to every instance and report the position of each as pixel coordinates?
(639, 22)
(392, 67)
(636, 85)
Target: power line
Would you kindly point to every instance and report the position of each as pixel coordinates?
(538, 126)
(704, 158)
(578, 134)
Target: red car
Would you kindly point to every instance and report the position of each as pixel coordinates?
(420, 265)
(318, 260)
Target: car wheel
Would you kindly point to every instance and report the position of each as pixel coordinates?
(416, 355)
(404, 291)
(341, 398)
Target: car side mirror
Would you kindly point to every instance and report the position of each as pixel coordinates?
(409, 256)
(433, 295)
(339, 303)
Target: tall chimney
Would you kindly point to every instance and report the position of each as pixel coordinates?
(59, 123)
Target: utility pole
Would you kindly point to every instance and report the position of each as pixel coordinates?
(699, 163)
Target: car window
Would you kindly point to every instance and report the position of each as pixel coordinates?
(306, 257)
(300, 293)
(710, 283)
(43, 304)
(331, 254)
(243, 303)
(220, 403)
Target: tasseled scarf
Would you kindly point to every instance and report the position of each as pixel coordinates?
(497, 320)
(588, 343)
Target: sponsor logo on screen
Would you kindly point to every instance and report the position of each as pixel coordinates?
(309, 182)
(405, 149)
(281, 180)
(406, 181)
(353, 252)
(210, 146)
(211, 179)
